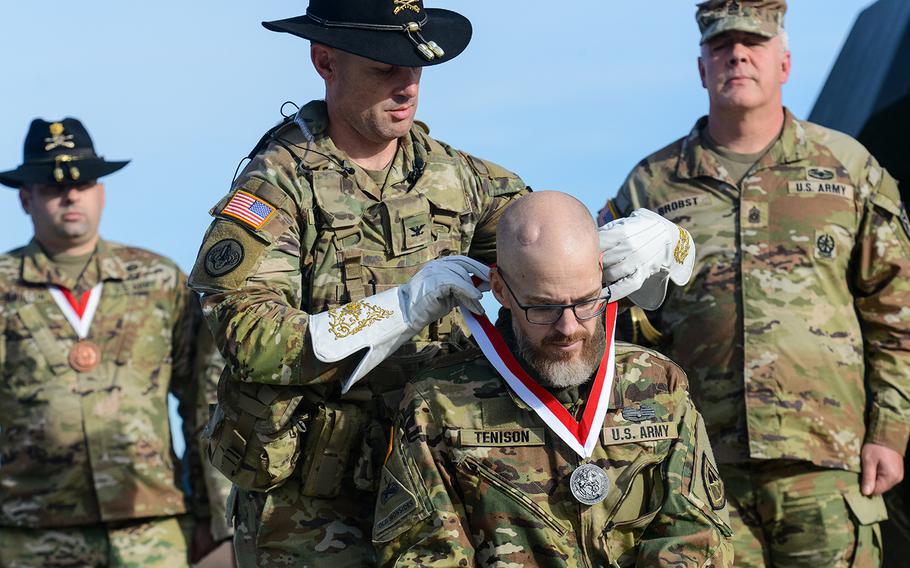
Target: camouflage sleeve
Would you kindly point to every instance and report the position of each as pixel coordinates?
(185, 388)
(208, 365)
(881, 276)
(692, 527)
(492, 188)
(419, 519)
(251, 277)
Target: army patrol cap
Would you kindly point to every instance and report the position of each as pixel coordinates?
(395, 32)
(58, 153)
(761, 17)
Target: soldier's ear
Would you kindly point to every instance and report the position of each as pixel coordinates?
(323, 60)
(498, 289)
(701, 72)
(25, 199)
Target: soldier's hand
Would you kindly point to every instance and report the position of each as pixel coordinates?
(883, 468)
(439, 287)
(640, 253)
(395, 315)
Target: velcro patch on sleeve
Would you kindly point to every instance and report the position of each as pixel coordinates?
(394, 503)
(635, 433)
(401, 501)
(227, 257)
(249, 209)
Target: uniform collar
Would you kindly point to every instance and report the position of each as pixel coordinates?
(696, 160)
(38, 268)
(411, 151)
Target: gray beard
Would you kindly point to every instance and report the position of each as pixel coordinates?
(555, 371)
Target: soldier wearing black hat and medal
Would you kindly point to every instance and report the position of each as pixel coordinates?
(344, 200)
(94, 336)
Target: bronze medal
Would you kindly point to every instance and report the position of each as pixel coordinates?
(84, 356)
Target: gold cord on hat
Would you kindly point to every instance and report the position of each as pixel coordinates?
(58, 168)
(430, 50)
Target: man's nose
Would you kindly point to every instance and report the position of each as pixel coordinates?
(410, 81)
(567, 324)
(738, 54)
(70, 194)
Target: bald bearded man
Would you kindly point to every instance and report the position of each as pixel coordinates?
(549, 444)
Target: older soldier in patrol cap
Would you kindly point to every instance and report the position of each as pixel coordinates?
(795, 330)
(94, 335)
(551, 445)
(345, 199)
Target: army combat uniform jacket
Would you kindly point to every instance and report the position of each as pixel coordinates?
(322, 233)
(475, 478)
(795, 328)
(94, 445)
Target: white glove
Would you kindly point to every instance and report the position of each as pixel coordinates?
(382, 323)
(640, 252)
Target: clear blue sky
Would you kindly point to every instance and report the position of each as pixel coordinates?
(570, 95)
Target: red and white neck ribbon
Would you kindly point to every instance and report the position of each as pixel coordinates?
(78, 311)
(580, 436)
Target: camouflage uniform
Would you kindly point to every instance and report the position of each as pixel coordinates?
(798, 303)
(208, 367)
(331, 236)
(453, 494)
(88, 475)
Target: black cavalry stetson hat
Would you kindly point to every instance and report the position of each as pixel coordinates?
(396, 32)
(58, 153)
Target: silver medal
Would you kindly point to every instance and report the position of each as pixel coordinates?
(589, 484)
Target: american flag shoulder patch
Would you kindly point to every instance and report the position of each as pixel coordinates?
(246, 207)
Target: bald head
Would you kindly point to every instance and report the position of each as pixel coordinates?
(544, 227)
(548, 255)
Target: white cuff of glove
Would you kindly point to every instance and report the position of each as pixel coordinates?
(640, 253)
(375, 325)
(380, 324)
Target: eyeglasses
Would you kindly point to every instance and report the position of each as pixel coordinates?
(546, 314)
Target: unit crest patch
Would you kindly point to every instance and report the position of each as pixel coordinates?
(714, 486)
(223, 257)
(826, 245)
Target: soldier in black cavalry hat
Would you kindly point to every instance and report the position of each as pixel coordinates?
(94, 337)
(346, 199)
(58, 153)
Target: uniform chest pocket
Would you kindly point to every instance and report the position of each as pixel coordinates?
(139, 326)
(477, 475)
(32, 342)
(408, 219)
(451, 219)
(634, 500)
